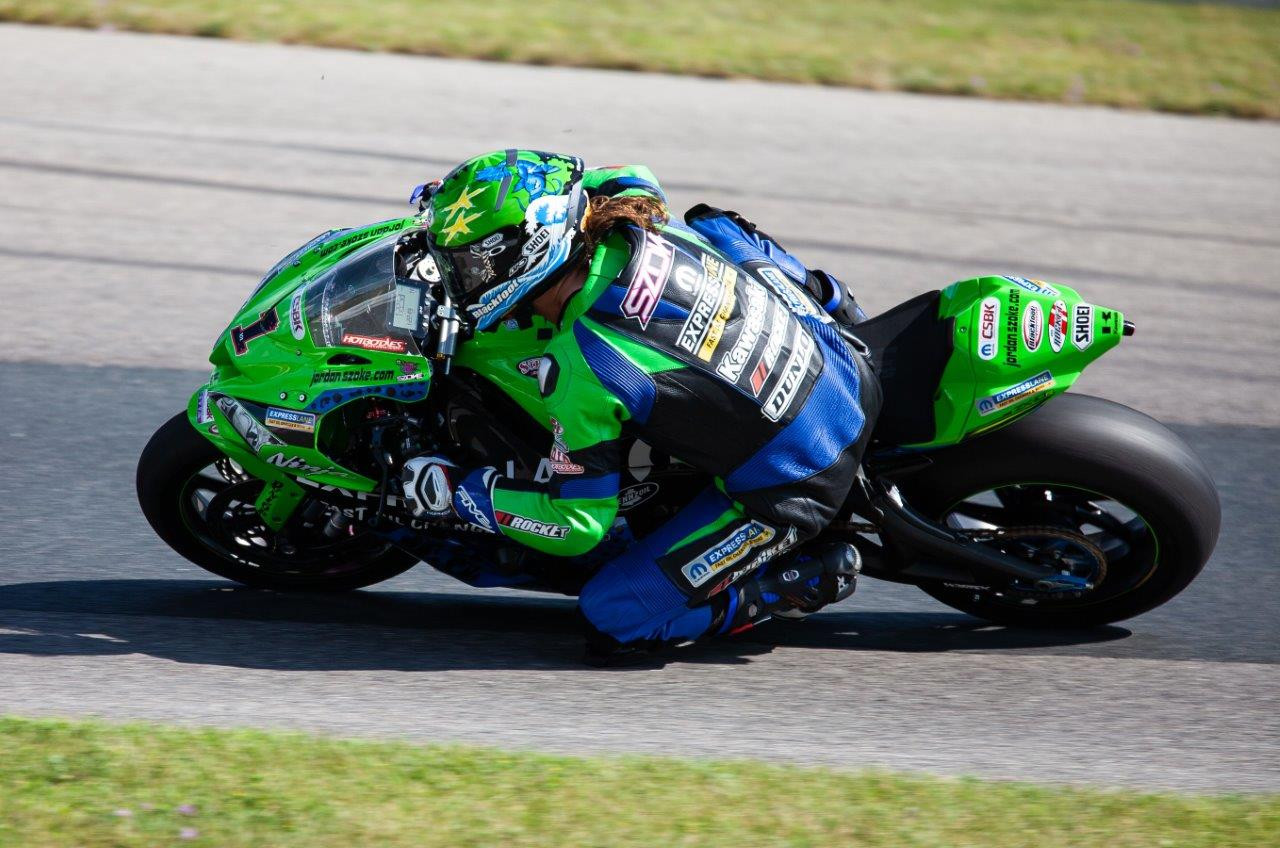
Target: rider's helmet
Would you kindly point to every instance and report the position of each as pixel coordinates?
(504, 227)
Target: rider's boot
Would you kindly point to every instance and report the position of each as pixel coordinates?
(793, 590)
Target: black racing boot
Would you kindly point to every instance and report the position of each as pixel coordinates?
(795, 590)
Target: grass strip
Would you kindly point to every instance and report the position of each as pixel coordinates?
(92, 784)
(1170, 56)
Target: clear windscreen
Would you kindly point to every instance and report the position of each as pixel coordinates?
(360, 303)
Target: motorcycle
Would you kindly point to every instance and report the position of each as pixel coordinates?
(984, 482)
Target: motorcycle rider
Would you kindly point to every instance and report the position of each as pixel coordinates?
(706, 340)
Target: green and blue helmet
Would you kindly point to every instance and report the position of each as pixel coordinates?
(504, 226)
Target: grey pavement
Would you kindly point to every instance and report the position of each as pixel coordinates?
(145, 182)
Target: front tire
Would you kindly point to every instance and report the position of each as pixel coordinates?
(179, 469)
(1093, 467)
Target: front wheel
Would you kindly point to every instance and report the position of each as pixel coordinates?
(202, 505)
(1111, 497)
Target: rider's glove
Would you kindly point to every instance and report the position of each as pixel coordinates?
(435, 488)
(428, 485)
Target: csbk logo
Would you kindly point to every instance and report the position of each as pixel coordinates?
(1057, 326)
(988, 320)
(1032, 327)
(1082, 326)
(296, 325)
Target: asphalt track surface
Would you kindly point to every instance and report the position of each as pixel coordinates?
(145, 183)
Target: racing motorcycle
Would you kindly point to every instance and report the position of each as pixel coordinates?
(984, 483)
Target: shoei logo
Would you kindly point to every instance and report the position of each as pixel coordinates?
(1082, 327)
(988, 320)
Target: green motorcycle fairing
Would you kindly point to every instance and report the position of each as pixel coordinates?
(1016, 343)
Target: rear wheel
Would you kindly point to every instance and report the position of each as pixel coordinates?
(1116, 502)
(202, 505)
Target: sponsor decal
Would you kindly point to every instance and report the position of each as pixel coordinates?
(409, 371)
(1082, 326)
(712, 306)
(769, 356)
(529, 367)
(536, 244)
(203, 416)
(1057, 325)
(785, 288)
(793, 374)
(645, 290)
(254, 434)
(740, 543)
(241, 336)
(292, 463)
(474, 512)
(1011, 328)
(529, 525)
(347, 241)
(297, 325)
(988, 320)
(1106, 318)
(632, 496)
(732, 363)
(560, 461)
(1037, 286)
(353, 375)
(764, 557)
(382, 343)
(1032, 326)
(287, 419)
(1031, 386)
(688, 279)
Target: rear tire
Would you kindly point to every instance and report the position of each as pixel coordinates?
(1073, 443)
(174, 457)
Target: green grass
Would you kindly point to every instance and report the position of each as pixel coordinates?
(88, 784)
(1177, 57)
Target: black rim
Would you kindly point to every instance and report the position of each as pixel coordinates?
(216, 505)
(1067, 527)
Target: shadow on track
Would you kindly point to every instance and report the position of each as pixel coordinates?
(215, 623)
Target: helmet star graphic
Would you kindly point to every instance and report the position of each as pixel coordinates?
(458, 226)
(463, 202)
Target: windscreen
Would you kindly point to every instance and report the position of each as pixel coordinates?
(360, 303)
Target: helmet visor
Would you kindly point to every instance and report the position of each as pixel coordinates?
(473, 269)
